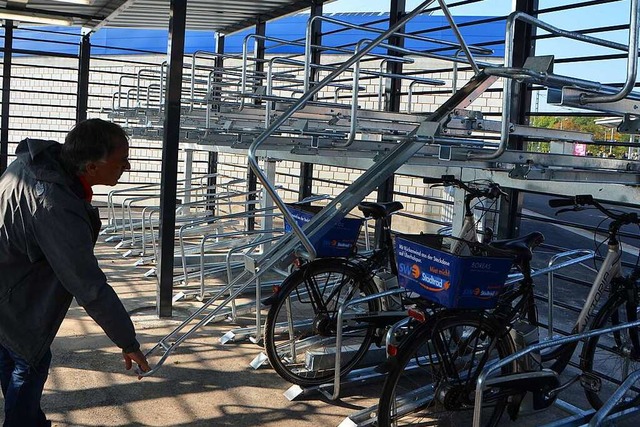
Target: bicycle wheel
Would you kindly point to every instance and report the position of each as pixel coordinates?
(434, 375)
(300, 330)
(608, 359)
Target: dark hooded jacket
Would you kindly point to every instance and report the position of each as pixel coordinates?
(47, 235)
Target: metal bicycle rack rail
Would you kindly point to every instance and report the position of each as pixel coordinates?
(367, 374)
(579, 415)
(280, 252)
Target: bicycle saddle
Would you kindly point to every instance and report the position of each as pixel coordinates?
(521, 246)
(379, 210)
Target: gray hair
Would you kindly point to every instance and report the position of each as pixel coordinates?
(90, 141)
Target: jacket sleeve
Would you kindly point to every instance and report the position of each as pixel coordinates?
(65, 238)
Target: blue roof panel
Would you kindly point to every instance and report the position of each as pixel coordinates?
(117, 41)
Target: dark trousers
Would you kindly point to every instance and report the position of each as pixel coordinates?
(22, 387)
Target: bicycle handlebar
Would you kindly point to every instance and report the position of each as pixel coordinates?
(492, 190)
(587, 199)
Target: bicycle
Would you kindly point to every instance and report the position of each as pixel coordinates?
(300, 330)
(450, 367)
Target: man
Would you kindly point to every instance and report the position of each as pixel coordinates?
(47, 232)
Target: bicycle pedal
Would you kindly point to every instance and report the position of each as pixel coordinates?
(590, 382)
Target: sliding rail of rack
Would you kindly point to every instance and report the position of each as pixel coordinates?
(332, 390)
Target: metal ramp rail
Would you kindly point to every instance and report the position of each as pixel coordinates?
(281, 253)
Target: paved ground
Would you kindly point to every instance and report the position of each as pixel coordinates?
(202, 384)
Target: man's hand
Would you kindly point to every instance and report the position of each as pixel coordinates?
(137, 357)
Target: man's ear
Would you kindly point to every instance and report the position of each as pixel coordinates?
(91, 168)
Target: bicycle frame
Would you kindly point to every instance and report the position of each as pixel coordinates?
(611, 267)
(468, 233)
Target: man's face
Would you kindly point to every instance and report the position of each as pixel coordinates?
(109, 170)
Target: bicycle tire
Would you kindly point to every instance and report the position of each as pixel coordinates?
(418, 392)
(611, 357)
(313, 319)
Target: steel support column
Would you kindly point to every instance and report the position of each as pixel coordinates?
(6, 94)
(83, 78)
(261, 28)
(306, 169)
(392, 91)
(170, 141)
(524, 46)
(393, 86)
(216, 94)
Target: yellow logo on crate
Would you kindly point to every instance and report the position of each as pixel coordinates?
(415, 271)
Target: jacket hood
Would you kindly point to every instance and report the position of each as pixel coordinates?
(42, 160)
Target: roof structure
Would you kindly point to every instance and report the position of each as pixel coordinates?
(225, 16)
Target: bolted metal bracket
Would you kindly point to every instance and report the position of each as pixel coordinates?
(629, 124)
(520, 171)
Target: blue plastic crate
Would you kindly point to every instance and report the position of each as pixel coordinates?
(475, 281)
(337, 240)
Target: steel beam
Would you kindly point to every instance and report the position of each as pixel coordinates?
(212, 161)
(6, 94)
(524, 47)
(170, 142)
(83, 78)
(306, 168)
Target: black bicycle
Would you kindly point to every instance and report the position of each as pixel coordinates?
(301, 326)
(435, 376)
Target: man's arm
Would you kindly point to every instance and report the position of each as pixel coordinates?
(64, 236)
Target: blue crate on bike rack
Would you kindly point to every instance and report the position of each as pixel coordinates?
(427, 268)
(338, 240)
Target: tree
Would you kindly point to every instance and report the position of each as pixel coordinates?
(581, 124)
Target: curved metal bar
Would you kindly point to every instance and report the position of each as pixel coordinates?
(243, 84)
(632, 62)
(585, 255)
(373, 30)
(253, 162)
(383, 75)
(356, 87)
(508, 63)
(456, 31)
(341, 318)
(354, 99)
(602, 413)
(482, 378)
(196, 54)
(282, 60)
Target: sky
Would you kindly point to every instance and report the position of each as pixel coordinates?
(498, 6)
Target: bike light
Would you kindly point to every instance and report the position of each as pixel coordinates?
(275, 289)
(417, 315)
(392, 350)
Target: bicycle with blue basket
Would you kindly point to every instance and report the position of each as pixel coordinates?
(301, 326)
(435, 371)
